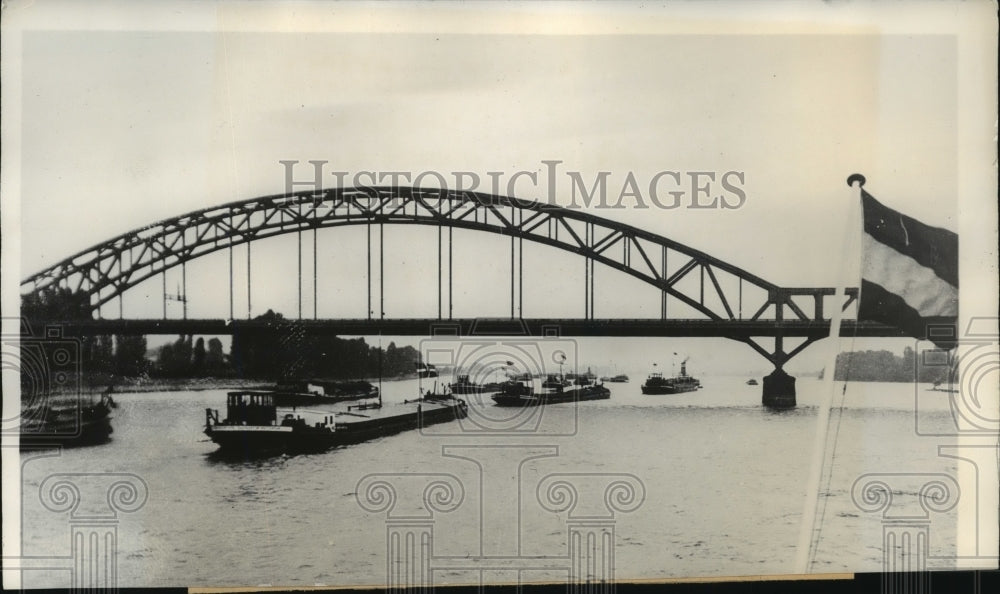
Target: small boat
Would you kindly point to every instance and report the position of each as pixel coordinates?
(555, 382)
(311, 392)
(425, 370)
(523, 394)
(67, 423)
(255, 424)
(583, 379)
(464, 386)
(433, 395)
(751, 382)
(657, 384)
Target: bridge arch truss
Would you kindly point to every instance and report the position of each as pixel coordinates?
(107, 270)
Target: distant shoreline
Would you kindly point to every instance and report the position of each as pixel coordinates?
(99, 383)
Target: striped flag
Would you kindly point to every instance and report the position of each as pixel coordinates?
(909, 274)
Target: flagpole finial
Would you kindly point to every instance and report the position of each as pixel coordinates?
(856, 177)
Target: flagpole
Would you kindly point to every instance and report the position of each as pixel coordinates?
(808, 525)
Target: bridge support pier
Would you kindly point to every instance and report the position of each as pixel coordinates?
(779, 390)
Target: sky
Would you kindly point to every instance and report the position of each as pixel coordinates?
(131, 127)
(122, 126)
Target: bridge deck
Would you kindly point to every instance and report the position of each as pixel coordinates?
(737, 329)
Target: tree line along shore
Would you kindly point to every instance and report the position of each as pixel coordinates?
(125, 362)
(885, 366)
(286, 352)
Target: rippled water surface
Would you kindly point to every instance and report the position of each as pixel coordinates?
(723, 479)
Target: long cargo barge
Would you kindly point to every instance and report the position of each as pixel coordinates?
(254, 423)
(312, 392)
(524, 394)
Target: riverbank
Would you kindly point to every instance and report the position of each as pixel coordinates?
(98, 383)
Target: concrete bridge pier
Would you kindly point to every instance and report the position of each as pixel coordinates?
(779, 390)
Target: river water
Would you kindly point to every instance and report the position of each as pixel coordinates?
(720, 486)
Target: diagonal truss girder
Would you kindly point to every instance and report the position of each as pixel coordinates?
(714, 288)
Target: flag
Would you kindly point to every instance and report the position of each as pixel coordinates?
(909, 274)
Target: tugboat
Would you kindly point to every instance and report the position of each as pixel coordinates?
(583, 379)
(515, 393)
(555, 382)
(425, 370)
(751, 382)
(433, 395)
(465, 386)
(617, 378)
(253, 423)
(657, 384)
(67, 423)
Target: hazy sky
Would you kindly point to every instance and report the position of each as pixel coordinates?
(121, 128)
(127, 128)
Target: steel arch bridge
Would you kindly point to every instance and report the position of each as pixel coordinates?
(717, 290)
